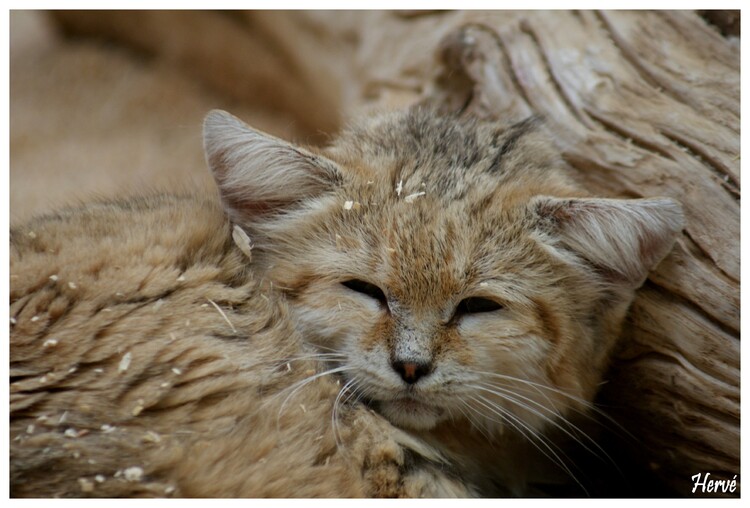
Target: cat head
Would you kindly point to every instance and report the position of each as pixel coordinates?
(449, 265)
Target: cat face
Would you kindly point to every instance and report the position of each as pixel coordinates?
(447, 267)
(428, 318)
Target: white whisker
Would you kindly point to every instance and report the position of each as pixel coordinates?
(335, 411)
(539, 386)
(474, 424)
(512, 396)
(300, 384)
(313, 356)
(528, 431)
(333, 350)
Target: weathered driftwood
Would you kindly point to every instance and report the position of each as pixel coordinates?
(642, 103)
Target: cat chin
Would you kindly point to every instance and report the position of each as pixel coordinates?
(411, 414)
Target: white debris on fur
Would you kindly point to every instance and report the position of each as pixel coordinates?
(138, 409)
(107, 428)
(72, 285)
(176, 371)
(133, 474)
(181, 278)
(86, 485)
(399, 187)
(151, 437)
(348, 205)
(243, 242)
(125, 362)
(50, 343)
(53, 278)
(412, 197)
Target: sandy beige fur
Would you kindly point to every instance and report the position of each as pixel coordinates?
(144, 317)
(127, 381)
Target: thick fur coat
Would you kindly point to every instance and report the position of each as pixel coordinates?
(145, 361)
(408, 312)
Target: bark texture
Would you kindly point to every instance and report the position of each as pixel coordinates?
(642, 104)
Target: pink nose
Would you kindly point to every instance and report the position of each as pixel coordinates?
(411, 372)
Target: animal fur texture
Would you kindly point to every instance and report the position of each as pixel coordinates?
(425, 298)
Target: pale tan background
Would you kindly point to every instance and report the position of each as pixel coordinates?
(88, 119)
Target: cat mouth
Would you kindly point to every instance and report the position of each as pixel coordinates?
(411, 412)
(411, 404)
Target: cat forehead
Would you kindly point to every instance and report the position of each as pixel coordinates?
(419, 180)
(447, 152)
(428, 242)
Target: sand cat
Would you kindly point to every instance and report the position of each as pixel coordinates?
(403, 313)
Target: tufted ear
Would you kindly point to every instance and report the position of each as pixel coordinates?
(259, 174)
(623, 238)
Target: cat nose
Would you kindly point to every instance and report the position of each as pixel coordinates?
(411, 372)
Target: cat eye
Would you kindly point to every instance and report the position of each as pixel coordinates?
(476, 305)
(366, 288)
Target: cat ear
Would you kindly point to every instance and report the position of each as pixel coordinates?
(259, 174)
(624, 238)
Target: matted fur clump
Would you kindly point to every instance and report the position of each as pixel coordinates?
(146, 361)
(429, 300)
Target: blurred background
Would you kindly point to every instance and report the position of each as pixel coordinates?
(89, 118)
(111, 103)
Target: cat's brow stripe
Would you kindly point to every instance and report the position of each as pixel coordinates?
(510, 141)
(550, 323)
